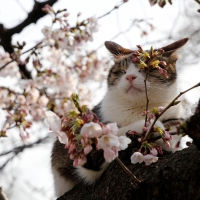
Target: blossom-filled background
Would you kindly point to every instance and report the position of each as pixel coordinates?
(49, 52)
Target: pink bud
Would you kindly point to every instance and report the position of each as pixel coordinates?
(167, 136)
(153, 151)
(71, 156)
(75, 163)
(144, 129)
(71, 148)
(160, 108)
(147, 124)
(87, 149)
(81, 161)
(66, 15)
(159, 149)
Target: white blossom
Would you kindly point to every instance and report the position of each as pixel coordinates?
(54, 123)
(137, 157)
(108, 141)
(123, 142)
(148, 159)
(91, 130)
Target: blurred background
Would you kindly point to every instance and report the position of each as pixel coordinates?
(63, 53)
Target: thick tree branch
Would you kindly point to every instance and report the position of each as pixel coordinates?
(175, 176)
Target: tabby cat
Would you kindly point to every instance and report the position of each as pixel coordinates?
(123, 103)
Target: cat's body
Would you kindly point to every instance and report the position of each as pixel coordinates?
(123, 103)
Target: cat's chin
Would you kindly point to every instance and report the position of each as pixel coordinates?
(132, 90)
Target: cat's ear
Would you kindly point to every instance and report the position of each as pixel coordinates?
(116, 50)
(170, 49)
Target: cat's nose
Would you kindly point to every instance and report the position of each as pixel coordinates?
(130, 78)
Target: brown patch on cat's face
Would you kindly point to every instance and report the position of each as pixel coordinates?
(154, 74)
(122, 58)
(120, 67)
(116, 71)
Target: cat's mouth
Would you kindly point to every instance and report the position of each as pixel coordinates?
(133, 89)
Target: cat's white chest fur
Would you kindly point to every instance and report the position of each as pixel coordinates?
(116, 108)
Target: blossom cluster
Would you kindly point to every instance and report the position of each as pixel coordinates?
(81, 131)
(66, 37)
(161, 3)
(142, 58)
(149, 150)
(58, 69)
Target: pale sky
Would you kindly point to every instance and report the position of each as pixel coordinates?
(34, 166)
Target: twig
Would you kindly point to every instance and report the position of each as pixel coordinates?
(170, 105)
(198, 1)
(146, 93)
(116, 7)
(19, 149)
(127, 170)
(21, 54)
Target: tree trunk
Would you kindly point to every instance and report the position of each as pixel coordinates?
(174, 176)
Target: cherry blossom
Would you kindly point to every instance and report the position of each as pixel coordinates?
(148, 159)
(137, 157)
(123, 142)
(91, 130)
(110, 154)
(153, 152)
(108, 141)
(54, 123)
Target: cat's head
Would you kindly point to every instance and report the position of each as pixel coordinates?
(127, 79)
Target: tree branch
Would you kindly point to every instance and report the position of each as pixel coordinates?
(6, 34)
(20, 149)
(174, 176)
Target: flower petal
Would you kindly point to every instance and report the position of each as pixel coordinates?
(53, 121)
(63, 138)
(52, 134)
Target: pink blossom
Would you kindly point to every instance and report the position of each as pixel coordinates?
(144, 113)
(153, 152)
(167, 144)
(43, 100)
(72, 147)
(160, 109)
(144, 129)
(159, 149)
(87, 149)
(108, 141)
(110, 154)
(33, 95)
(21, 99)
(123, 142)
(91, 130)
(148, 159)
(79, 161)
(47, 31)
(167, 136)
(137, 157)
(54, 123)
(112, 128)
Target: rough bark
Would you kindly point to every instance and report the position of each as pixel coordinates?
(175, 176)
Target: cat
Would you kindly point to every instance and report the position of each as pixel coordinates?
(123, 103)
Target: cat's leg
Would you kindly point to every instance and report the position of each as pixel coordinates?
(90, 176)
(61, 185)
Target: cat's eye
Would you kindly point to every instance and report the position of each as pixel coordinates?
(123, 71)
